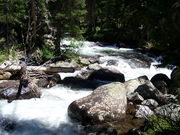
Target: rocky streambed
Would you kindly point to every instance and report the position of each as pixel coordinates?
(113, 91)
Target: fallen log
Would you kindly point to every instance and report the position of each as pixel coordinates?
(47, 70)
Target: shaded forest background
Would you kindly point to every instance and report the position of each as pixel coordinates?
(31, 25)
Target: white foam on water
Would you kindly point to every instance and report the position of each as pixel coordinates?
(48, 113)
(63, 75)
(131, 73)
(124, 65)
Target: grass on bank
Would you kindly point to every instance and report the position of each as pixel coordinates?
(6, 54)
(162, 125)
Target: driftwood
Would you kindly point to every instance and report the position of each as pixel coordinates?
(48, 70)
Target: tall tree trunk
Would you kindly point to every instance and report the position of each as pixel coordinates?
(58, 41)
(34, 18)
(7, 24)
(32, 26)
(90, 15)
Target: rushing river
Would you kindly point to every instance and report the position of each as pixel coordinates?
(48, 115)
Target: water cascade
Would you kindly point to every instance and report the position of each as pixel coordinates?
(48, 115)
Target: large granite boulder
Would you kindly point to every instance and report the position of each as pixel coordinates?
(107, 75)
(106, 103)
(161, 82)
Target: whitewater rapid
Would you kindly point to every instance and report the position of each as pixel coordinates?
(128, 61)
(48, 115)
(44, 116)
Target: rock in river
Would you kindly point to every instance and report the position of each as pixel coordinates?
(106, 103)
(107, 75)
(9, 88)
(145, 88)
(161, 82)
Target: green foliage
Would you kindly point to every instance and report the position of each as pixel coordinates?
(12, 11)
(3, 58)
(161, 125)
(3, 55)
(69, 54)
(136, 22)
(139, 22)
(6, 54)
(22, 23)
(68, 19)
(46, 53)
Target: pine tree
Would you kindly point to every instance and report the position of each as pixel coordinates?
(35, 24)
(68, 18)
(11, 19)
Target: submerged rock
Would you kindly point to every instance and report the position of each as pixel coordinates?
(112, 62)
(7, 125)
(106, 103)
